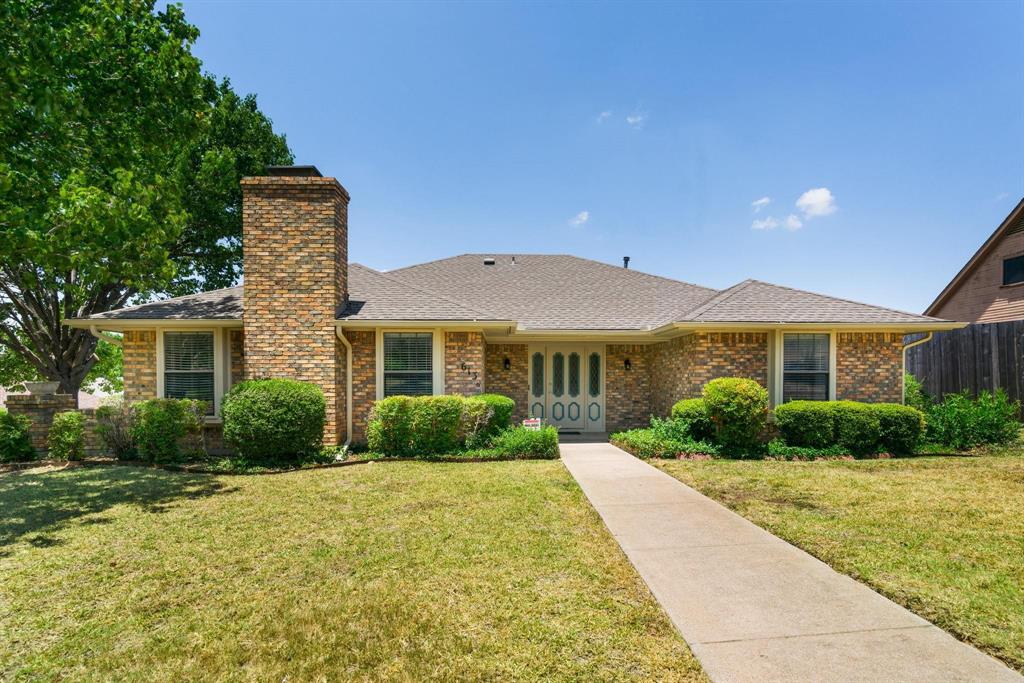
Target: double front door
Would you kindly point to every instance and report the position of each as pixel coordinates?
(567, 385)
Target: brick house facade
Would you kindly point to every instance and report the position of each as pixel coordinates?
(585, 345)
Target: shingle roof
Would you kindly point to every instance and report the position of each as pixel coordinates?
(542, 291)
(555, 292)
(763, 302)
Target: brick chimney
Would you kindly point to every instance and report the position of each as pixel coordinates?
(295, 246)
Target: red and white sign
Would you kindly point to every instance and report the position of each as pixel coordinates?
(532, 423)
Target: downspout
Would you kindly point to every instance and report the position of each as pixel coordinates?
(903, 379)
(348, 385)
(110, 339)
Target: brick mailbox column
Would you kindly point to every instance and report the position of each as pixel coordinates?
(40, 410)
(295, 245)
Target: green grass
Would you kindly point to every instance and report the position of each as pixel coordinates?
(941, 536)
(386, 571)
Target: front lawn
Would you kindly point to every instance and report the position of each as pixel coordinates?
(941, 536)
(386, 571)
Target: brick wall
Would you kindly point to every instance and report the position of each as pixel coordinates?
(869, 367)
(463, 363)
(981, 296)
(295, 237)
(514, 382)
(139, 347)
(364, 381)
(682, 366)
(40, 409)
(236, 347)
(627, 396)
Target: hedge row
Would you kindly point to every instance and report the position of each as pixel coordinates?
(863, 428)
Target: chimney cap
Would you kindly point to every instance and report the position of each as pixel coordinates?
(295, 171)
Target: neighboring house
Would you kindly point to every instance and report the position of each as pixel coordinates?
(990, 286)
(585, 345)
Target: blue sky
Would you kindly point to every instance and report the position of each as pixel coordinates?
(650, 130)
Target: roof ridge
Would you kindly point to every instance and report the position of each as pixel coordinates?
(172, 298)
(633, 270)
(849, 301)
(458, 303)
(717, 300)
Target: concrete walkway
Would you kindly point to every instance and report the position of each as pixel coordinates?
(751, 606)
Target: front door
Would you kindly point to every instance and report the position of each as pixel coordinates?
(567, 386)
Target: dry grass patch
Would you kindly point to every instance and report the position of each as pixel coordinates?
(941, 536)
(399, 571)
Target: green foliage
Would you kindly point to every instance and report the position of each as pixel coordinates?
(474, 423)
(119, 172)
(501, 407)
(663, 439)
(274, 418)
(857, 427)
(960, 422)
(520, 442)
(435, 423)
(66, 439)
(693, 414)
(390, 427)
(163, 428)
(739, 409)
(900, 427)
(114, 424)
(914, 394)
(806, 424)
(15, 444)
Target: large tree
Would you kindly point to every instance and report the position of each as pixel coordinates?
(120, 169)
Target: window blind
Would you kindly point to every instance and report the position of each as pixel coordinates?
(408, 364)
(805, 367)
(189, 366)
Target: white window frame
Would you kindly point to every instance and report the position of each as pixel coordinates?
(437, 360)
(778, 368)
(219, 365)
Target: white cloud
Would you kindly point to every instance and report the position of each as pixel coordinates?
(793, 222)
(817, 202)
(768, 223)
(579, 219)
(759, 204)
(1001, 196)
(603, 116)
(637, 119)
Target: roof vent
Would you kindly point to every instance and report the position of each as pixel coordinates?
(294, 171)
(489, 261)
(625, 262)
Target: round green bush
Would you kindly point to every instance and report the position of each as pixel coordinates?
(274, 419)
(15, 444)
(166, 429)
(738, 408)
(857, 427)
(900, 427)
(806, 424)
(693, 414)
(66, 439)
(502, 408)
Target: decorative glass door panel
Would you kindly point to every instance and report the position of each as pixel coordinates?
(567, 386)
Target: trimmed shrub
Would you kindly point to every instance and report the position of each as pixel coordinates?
(501, 407)
(15, 444)
(475, 423)
(961, 423)
(114, 422)
(900, 428)
(274, 419)
(692, 413)
(857, 427)
(435, 424)
(66, 439)
(519, 442)
(390, 427)
(739, 409)
(806, 424)
(162, 425)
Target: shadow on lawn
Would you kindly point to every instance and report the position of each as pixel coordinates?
(41, 503)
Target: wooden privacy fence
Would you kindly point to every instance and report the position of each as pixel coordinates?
(983, 356)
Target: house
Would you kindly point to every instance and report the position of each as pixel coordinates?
(585, 345)
(990, 286)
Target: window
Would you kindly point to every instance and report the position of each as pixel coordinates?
(1013, 270)
(189, 366)
(805, 367)
(408, 364)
